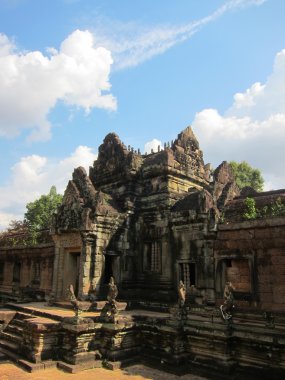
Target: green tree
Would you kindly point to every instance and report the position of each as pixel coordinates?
(245, 175)
(16, 234)
(39, 213)
(251, 211)
(33, 229)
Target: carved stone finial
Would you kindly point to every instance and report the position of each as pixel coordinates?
(113, 291)
(181, 293)
(74, 302)
(110, 310)
(51, 299)
(228, 305)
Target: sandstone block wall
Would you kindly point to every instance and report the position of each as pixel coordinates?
(24, 267)
(252, 254)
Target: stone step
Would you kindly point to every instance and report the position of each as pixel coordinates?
(8, 353)
(3, 357)
(11, 337)
(75, 368)
(6, 344)
(14, 328)
(26, 365)
(21, 317)
(25, 312)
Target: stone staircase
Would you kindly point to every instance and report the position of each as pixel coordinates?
(12, 345)
(11, 337)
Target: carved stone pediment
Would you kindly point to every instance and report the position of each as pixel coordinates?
(71, 197)
(114, 159)
(69, 213)
(225, 188)
(187, 152)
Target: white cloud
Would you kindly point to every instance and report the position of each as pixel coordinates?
(252, 129)
(6, 46)
(132, 44)
(33, 176)
(32, 83)
(152, 145)
(6, 218)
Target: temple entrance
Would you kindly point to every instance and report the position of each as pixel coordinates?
(71, 272)
(108, 269)
(17, 272)
(111, 269)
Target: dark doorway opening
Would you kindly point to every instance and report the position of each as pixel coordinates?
(147, 257)
(193, 273)
(108, 269)
(17, 272)
(74, 262)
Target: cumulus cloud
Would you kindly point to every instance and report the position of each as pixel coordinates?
(152, 145)
(132, 44)
(33, 176)
(252, 129)
(32, 83)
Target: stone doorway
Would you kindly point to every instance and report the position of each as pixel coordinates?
(72, 268)
(108, 272)
(111, 269)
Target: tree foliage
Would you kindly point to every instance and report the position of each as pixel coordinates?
(37, 221)
(251, 212)
(245, 175)
(39, 213)
(17, 233)
(273, 209)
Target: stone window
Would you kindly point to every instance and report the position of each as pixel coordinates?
(187, 273)
(2, 266)
(17, 272)
(152, 256)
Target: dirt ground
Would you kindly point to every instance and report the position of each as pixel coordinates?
(9, 371)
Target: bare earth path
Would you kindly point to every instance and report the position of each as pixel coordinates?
(9, 371)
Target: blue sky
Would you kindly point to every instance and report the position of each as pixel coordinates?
(72, 71)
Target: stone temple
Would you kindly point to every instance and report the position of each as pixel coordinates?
(155, 256)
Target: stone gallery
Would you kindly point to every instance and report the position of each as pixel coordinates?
(151, 260)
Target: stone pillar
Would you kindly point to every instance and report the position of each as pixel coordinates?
(97, 271)
(85, 265)
(208, 263)
(55, 273)
(60, 291)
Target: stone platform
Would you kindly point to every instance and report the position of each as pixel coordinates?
(190, 339)
(38, 336)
